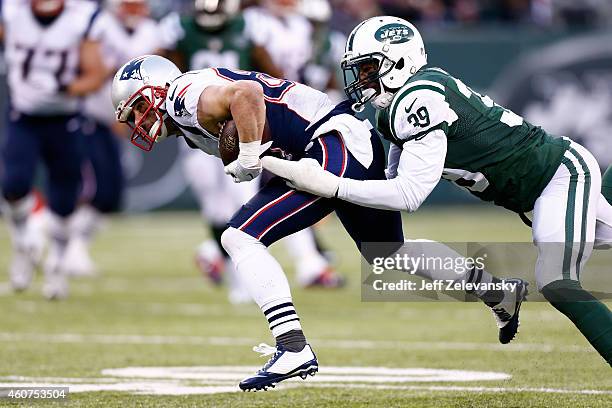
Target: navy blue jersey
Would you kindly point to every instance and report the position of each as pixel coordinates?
(291, 108)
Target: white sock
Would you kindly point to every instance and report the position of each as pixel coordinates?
(237, 290)
(264, 279)
(309, 263)
(17, 214)
(59, 234)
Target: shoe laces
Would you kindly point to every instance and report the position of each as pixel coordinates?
(267, 350)
(264, 349)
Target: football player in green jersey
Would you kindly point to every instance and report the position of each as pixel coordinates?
(441, 128)
(216, 35)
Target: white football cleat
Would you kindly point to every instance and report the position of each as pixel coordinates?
(21, 269)
(77, 260)
(28, 249)
(55, 286)
(282, 365)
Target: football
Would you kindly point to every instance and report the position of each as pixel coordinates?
(228, 141)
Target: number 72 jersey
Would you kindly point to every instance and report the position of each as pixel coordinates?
(491, 151)
(42, 58)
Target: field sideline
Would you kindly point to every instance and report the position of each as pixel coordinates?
(149, 331)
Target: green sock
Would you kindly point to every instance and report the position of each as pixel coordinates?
(591, 317)
(606, 185)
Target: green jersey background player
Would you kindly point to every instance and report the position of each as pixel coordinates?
(439, 127)
(216, 35)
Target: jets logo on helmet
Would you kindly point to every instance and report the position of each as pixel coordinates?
(381, 54)
(394, 33)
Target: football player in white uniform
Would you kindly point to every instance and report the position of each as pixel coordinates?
(53, 59)
(277, 26)
(219, 35)
(440, 127)
(125, 31)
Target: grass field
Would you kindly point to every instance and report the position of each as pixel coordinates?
(150, 308)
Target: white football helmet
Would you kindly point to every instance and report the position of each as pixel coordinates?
(144, 78)
(212, 15)
(394, 46)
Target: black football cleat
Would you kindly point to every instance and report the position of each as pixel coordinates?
(507, 311)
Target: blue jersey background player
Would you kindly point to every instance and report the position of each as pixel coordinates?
(53, 59)
(125, 31)
(156, 100)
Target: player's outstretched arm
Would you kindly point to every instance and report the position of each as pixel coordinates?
(418, 171)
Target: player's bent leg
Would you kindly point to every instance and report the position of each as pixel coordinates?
(23, 259)
(269, 287)
(103, 183)
(63, 153)
(590, 316)
(273, 213)
(20, 155)
(83, 224)
(505, 304)
(55, 286)
(564, 231)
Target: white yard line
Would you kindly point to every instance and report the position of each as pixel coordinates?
(454, 388)
(323, 343)
(164, 387)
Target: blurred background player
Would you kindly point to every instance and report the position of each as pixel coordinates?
(218, 35)
(321, 72)
(277, 26)
(125, 31)
(53, 59)
(286, 34)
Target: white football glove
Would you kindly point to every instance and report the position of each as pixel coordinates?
(247, 166)
(240, 173)
(305, 174)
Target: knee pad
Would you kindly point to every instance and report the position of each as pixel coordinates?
(239, 244)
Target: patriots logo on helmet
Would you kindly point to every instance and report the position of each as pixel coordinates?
(394, 33)
(132, 70)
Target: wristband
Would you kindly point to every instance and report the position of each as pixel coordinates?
(249, 152)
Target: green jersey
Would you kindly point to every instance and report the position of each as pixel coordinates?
(229, 47)
(491, 151)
